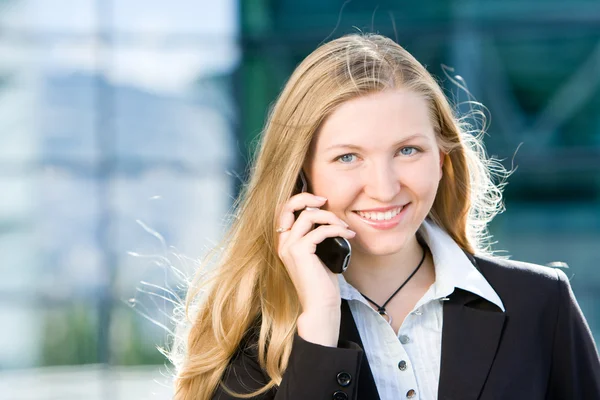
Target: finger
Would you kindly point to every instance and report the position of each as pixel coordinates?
(297, 203)
(311, 216)
(308, 243)
(308, 218)
(323, 232)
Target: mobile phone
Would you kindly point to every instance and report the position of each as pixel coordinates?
(334, 252)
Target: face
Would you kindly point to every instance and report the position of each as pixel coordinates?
(377, 162)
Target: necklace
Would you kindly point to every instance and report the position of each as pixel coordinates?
(381, 309)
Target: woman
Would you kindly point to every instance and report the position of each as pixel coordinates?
(423, 310)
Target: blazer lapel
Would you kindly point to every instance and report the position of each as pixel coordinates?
(470, 336)
(349, 332)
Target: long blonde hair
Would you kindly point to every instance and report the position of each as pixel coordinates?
(249, 286)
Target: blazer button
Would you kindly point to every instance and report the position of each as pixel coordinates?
(339, 395)
(402, 365)
(344, 379)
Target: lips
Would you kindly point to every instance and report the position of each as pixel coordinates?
(379, 215)
(390, 218)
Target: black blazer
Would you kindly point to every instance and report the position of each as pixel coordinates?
(540, 348)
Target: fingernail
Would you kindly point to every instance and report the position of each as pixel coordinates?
(351, 231)
(344, 222)
(321, 198)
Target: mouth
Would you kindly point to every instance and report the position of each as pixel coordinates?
(379, 215)
(383, 220)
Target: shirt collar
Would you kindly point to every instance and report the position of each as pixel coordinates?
(453, 269)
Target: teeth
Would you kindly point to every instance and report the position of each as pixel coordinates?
(380, 216)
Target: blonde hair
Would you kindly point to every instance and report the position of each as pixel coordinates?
(249, 285)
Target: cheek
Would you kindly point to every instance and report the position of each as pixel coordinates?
(423, 181)
(339, 191)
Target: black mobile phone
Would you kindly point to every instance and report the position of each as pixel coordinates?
(334, 252)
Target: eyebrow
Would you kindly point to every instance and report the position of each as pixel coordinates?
(352, 146)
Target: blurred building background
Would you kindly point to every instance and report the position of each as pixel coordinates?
(125, 127)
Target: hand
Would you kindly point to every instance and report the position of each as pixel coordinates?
(317, 287)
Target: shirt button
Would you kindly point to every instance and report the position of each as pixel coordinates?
(339, 395)
(410, 394)
(344, 379)
(404, 339)
(402, 365)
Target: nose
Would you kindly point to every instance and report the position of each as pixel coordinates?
(381, 182)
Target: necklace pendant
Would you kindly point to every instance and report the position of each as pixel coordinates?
(386, 316)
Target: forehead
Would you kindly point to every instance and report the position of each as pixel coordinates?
(377, 119)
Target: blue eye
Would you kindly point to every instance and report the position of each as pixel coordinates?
(346, 158)
(409, 153)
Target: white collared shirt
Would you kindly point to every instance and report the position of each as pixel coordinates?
(418, 346)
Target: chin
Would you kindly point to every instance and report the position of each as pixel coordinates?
(382, 248)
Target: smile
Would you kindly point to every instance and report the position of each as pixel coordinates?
(380, 216)
(383, 220)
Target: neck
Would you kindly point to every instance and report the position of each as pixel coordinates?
(379, 276)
